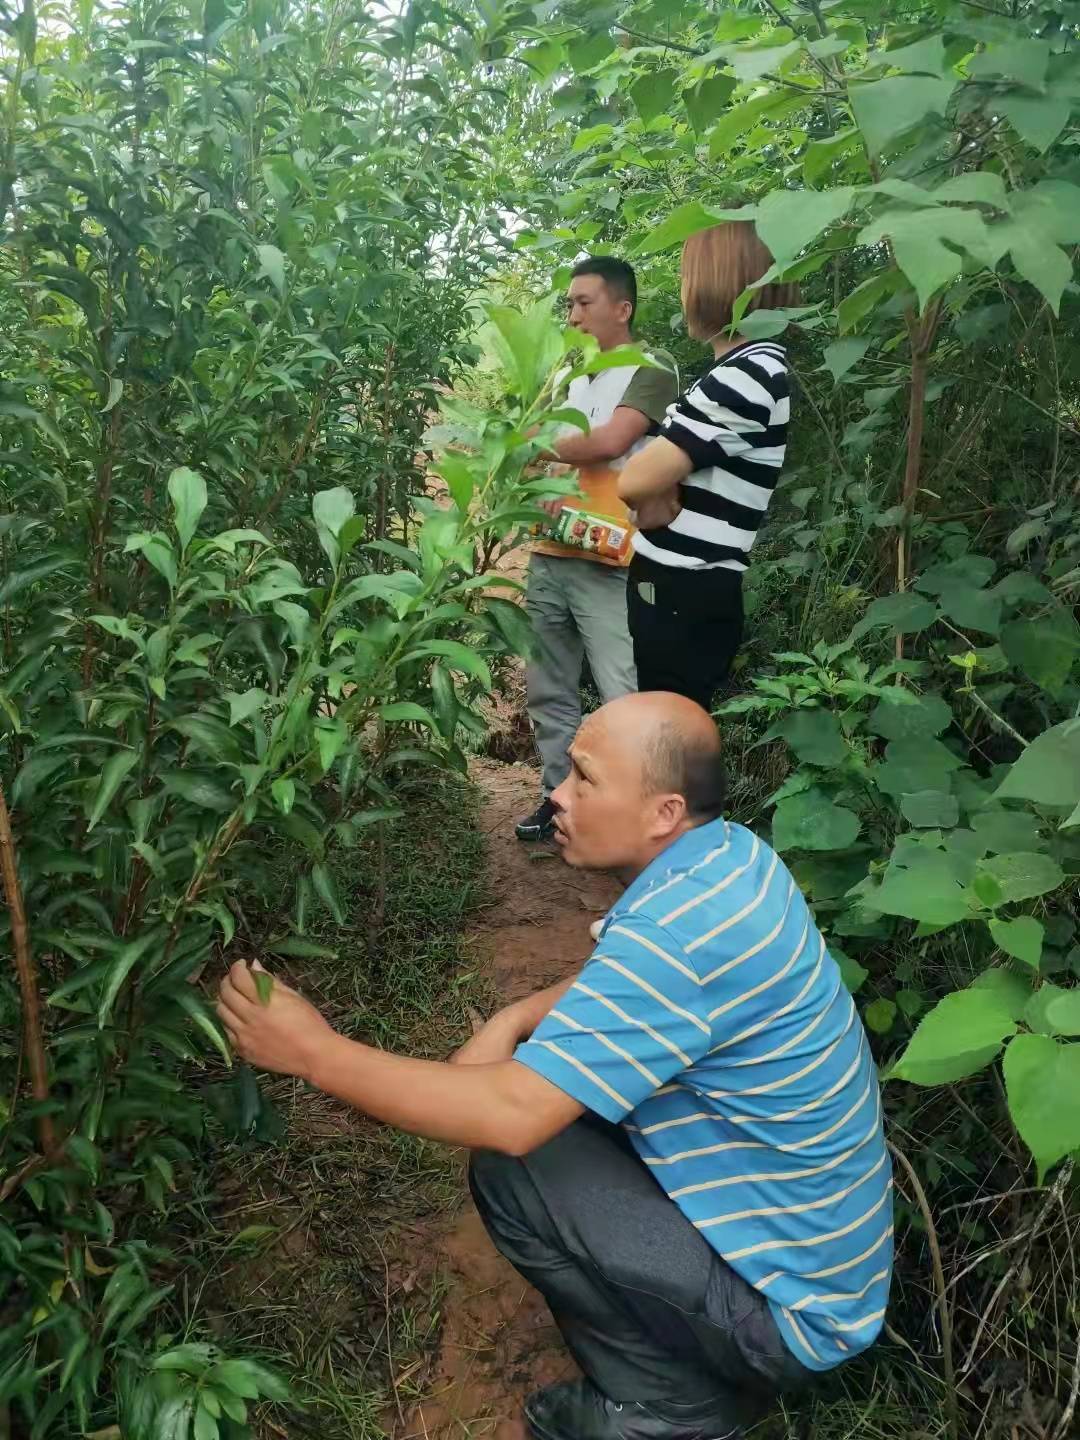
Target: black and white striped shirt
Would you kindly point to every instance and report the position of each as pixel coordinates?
(733, 425)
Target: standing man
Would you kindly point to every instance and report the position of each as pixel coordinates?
(681, 1147)
(577, 600)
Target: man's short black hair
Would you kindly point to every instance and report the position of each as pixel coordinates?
(616, 274)
(687, 765)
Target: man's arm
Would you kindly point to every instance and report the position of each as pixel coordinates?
(653, 472)
(498, 1106)
(607, 442)
(500, 1036)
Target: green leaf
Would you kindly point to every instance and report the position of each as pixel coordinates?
(843, 355)
(977, 187)
(855, 307)
(652, 93)
(914, 765)
(408, 712)
(815, 736)
(1022, 938)
(196, 1011)
(886, 109)
(1013, 990)
(206, 1427)
(1048, 771)
(788, 220)
(811, 821)
(1037, 119)
(284, 792)
(199, 789)
(924, 888)
(1063, 1012)
(903, 614)
(330, 734)
(924, 718)
(852, 973)
(1023, 876)
(880, 1016)
(930, 809)
(272, 265)
(684, 221)
(1038, 261)
(458, 657)
(187, 491)
(326, 889)
(113, 773)
(189, 1359)
(126, 958)
(264, 985)
(1045, 649)
(705, 101)
(158, 551)
(242, 707)
(960, 1035)
(1042, 1083)
(332, 510)
(457, 471)
(1023, 59)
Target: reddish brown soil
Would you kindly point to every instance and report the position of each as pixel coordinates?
(498, 1341)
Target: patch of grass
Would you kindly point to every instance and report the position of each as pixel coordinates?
(314, 1250)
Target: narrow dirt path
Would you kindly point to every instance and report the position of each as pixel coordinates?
(498, 1341)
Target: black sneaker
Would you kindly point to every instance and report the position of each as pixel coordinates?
(577, 1410)
(540, 825)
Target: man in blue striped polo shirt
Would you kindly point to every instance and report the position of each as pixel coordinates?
(681, 1147)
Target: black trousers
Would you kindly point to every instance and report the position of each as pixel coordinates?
(650, 1312)
(686, 626)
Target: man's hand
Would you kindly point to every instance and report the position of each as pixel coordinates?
(285, 1034)
(655, 514)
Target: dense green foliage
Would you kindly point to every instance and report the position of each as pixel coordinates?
(237, 255)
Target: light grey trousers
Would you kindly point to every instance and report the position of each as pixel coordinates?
(577, 608)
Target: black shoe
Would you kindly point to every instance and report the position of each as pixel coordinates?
(540, 825)
(577, 1410)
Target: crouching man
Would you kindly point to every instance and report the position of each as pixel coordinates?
(681, 1147)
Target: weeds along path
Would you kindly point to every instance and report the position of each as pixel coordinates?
(498, 1341)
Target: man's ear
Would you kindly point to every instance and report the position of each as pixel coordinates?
(669, 814)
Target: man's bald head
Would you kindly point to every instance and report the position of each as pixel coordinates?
(678, 746)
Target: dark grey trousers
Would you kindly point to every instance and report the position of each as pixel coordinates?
(650, 1312)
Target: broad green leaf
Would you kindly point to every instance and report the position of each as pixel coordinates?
(1023, 876)
(332, 510)
(457, 656)
(921, 57)
(326, 888)
(924, 718)
(187, 491)
(738, 119)
(272, 265)
(457, 471)
(652, 93)
(408, 712)
(916, 764)
(886, 109)
(1038, 260)
(867, 296)
(843, 355)
(960, 1035)
(330, 735)
(930, 809)
(904, 614)
(705, 101)
(1048, 771)
(684, 221)
(928, 244)
(924, 889)
(1045, 649)
(880, 1016)
(852, 973)
(1021, 58)
(811, 821)
(977, 187)
(1014, 991)
(243, 707)
(199, 789)
(284, 792)
(264, 985)
(815, 737)
(1021, 938)
(113, 773)
(1042, 1082)
(1038, 119)
(788, 220)
(1063, 1012)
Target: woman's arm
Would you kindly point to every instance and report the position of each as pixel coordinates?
(653, 472)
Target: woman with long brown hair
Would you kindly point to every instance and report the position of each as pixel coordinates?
(701, 489)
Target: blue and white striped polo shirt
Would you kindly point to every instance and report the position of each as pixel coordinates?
(712, 1021)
